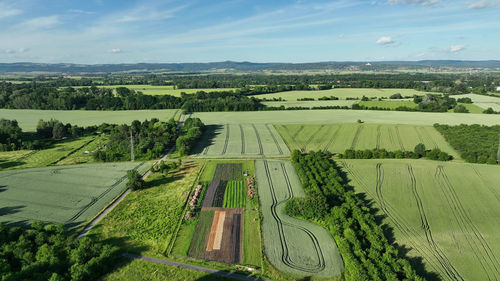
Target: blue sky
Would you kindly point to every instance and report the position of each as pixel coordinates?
(112, 31)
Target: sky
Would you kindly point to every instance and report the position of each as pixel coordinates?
(122, 31)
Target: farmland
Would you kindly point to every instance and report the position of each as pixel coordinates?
(65, 195)
(310, 104)
(433, 208)
(42, 158)
(28, 119)
(341, 93)
(344, 116)
(393, 104)
(292, 246)
(240, 140)
(339, 137)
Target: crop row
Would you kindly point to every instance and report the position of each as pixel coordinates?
(235, 195)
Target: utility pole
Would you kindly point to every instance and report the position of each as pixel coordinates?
(132, 156)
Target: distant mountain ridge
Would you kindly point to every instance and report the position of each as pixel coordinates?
(231, 66)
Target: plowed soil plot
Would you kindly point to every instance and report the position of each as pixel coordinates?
(224, 172)
(218, 235)
(445, 213)
(293, 246)
(241, 140)
(67, 195)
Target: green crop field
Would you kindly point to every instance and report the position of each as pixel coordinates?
(164, 90)
(69, 195)
(392, 104)
(235, 195)
(341, 93)
(339, 137)
(241, 140)
(446, 213)
(344, 116)
(28, 118)
(41, 158)
(310, 104)
(293, 246)
(471, 107)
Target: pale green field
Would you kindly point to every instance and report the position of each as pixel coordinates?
(446, 213)
(339, 137)
(28, 118)
(41, 158)
(485, 105)
(392, 104)
(292, 246)
(163, 90)
(69, 195)
(310, 104)
(341, 93)
(345, 116)
(472, 107)
(241, 140)
(478, 98)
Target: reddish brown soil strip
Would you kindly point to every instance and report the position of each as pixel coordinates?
(211, 236)
(219, 231)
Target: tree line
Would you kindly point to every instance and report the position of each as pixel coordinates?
(475, 143)
(367, 252)
(48, 252)
(420, 151)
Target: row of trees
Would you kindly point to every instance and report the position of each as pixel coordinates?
(475, 143)
(48, 252)
(376, 153)
(191, 132)
(366, 251)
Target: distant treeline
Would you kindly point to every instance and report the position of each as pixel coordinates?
(94, 98)
(419, 152)
(444, 83)
(475, 143)
(367, 253)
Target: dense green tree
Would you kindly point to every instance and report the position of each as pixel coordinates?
(135, 181)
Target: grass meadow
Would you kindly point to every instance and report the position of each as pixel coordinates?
(446, 213)
(64, 195)
(292, 246)
(337, 138)
(28, 118)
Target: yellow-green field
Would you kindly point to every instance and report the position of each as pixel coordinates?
(339, 137)
(310, 104)
(341, 93)
(392, 104)
(446, 213)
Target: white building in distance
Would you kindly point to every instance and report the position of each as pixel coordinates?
(498, 88)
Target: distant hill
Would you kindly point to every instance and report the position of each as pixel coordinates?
(231, 67)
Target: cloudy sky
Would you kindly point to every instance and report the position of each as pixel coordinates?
(112, 31)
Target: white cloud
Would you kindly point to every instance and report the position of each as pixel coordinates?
(483, 4)
(417, 2)
(456, 48)
(385, 40)
(8, 11)
(41, 22)
(115, 51)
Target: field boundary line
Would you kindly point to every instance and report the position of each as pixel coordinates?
(194, 267)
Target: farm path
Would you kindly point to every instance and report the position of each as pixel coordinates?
(117, 201)
(194, 267)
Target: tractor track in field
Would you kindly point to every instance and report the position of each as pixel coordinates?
(443, 259)
(226, 142)
(95, 199)
(400, 223)
(332, 139)
(378, 136)
(294, 136)
(400, 141)
(420, 138)
(475, 239)
(261, 149)
(391, 136)
(492, 190)
(356, 137)
(309, 140)
(285, 255)
(275, 140)
(242, 133)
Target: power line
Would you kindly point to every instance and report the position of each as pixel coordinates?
(132, 156)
